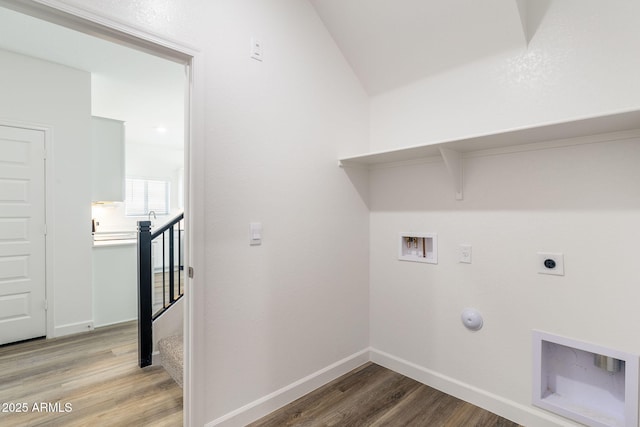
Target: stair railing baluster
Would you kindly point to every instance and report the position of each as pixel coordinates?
(145, 302)
(146, 280)
(171, 267)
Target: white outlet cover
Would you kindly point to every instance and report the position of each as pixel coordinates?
(256, 49)
(557, 258)
(465, 254)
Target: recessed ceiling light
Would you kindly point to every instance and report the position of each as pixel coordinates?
(161, 129)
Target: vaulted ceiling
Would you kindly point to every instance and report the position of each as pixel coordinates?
(391, 43)
(388, 43)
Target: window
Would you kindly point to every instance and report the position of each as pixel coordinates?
(145, 195)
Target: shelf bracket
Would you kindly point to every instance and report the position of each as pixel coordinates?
(453, 162)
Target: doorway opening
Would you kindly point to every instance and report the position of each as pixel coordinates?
(135, 78)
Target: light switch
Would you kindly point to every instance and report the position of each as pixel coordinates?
(255, 233)
(256, 49)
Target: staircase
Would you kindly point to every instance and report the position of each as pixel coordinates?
(161, 285)
(171, 351)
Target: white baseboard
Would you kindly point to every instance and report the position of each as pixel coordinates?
(155, 358)
(499, 405)
(117, 322)
(279, 398)
(521, 414)
(72, 328)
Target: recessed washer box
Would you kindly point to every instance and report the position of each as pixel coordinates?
(587, 383)
(418, 247)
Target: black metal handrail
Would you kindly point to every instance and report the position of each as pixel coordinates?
(147, 276)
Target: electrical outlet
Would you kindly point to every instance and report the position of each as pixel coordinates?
(255, 233)
(551, 263)
(465, 254)
(256, 49)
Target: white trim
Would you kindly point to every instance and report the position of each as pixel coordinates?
(107, 28)
(522, 414)
(279, 398)
(194, 199)
(72, 328)
(117, 322)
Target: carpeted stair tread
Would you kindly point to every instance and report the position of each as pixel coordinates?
(171, 351)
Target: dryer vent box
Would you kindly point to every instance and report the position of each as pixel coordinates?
(418, 247)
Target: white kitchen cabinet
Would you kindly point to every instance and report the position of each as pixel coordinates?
(115, 283)
(107, 142)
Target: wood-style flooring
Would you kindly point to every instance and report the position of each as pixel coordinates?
(89, 379)
(374, 396)
(93, 379)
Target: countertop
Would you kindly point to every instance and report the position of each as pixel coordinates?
(122, 242)
(114, 238)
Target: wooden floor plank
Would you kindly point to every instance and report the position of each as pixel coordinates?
(95, 372)
(374, 396)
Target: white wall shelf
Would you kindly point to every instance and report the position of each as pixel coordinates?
(452, 151)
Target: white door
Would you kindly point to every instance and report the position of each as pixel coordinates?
(22, 234)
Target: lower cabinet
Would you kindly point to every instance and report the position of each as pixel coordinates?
(115, 294)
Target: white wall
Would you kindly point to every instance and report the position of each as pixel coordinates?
(59, 97)
(579, 63)
(581, 201)
(273, 314)
(298, 303)
(269, 315)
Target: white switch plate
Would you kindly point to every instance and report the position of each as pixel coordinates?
(465, 254)
(256, 49)
(255, 233)
(554, 263)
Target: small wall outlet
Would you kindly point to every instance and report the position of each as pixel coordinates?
(256, 49)
(419, 247)
(255, 233)
(465, 254)
(551, 263)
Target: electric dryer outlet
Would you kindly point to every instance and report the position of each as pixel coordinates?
(551, 263)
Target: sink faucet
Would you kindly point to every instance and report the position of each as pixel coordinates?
(152, 213)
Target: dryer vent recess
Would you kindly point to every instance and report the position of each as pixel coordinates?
(418, 247)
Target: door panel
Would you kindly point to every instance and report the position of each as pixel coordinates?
(22, 239)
